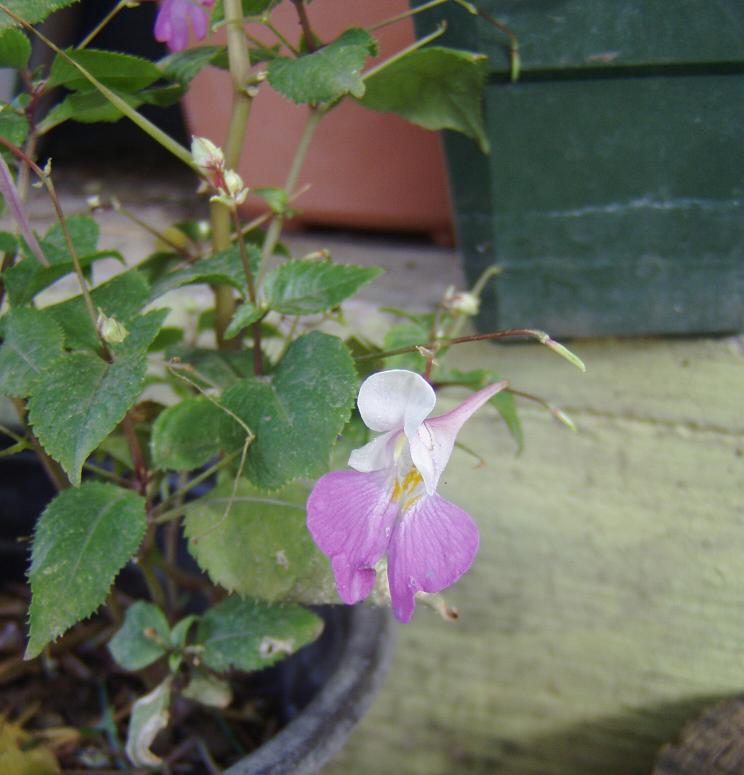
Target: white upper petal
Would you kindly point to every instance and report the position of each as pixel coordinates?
(376, 455)
(395, 400)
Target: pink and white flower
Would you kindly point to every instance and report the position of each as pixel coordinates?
(389, 503)
(172, 23)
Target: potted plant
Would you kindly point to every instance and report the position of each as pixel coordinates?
(203, 497)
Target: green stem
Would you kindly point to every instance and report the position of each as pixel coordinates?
(275, 227)
(181, 491)
(406, 14)
(154, 587)
(106, 19)
(240, 65)
(307, 30)
(281, 38)
(256, 327)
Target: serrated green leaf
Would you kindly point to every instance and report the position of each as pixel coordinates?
(150, 715)
(15, 48)
(84, 233)
(83, 539)
(297, 414)
(249, 635)
(246, 314)
(223, 267)
(184, 66)
(122, 298)
(33, 341)
(86, 108)
(436, 88)
(122, 72)
(186, 435)
(143, 637)
(32, 11)
(307, 287)
(78, 401)
(262, 548)
(327, 74)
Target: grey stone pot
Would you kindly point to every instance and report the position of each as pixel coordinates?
(347, 668)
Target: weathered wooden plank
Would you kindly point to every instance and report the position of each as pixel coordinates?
(606, 605)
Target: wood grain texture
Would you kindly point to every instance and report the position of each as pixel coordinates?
(606, 606)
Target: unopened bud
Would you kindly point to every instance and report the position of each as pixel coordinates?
(461, 301)
(232, 190)
(110, 329)
(206, 155)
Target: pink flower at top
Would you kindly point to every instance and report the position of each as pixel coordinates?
(172, 24)
(389, 503)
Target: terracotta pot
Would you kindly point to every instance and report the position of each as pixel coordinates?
(367, 169)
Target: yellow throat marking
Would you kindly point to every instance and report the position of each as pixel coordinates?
(406, 487)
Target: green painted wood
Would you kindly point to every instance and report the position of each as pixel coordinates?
(596, 34)
(614, 194)
(606, 607)
(613, 206)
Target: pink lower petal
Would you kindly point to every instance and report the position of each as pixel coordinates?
(432, 545)
(350, 517)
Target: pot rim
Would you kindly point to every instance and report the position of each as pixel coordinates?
(320, 730)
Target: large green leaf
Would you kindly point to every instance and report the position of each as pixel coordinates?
(32, 11)
(79, 400)
(27, 277)
(33, 341)
(327, 74)
(121, 297)
(297, 414)
(143, 638)
(250, 635)
(122, 72)
(261, 547)
(15, 48)
(186, 435)
(307, 287)
(436, 88)
(83, 539)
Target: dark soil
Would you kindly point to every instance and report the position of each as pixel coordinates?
(77, 701)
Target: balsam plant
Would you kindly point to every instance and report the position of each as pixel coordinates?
(259, 409)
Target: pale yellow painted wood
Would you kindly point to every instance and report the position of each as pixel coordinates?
(607, 602)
